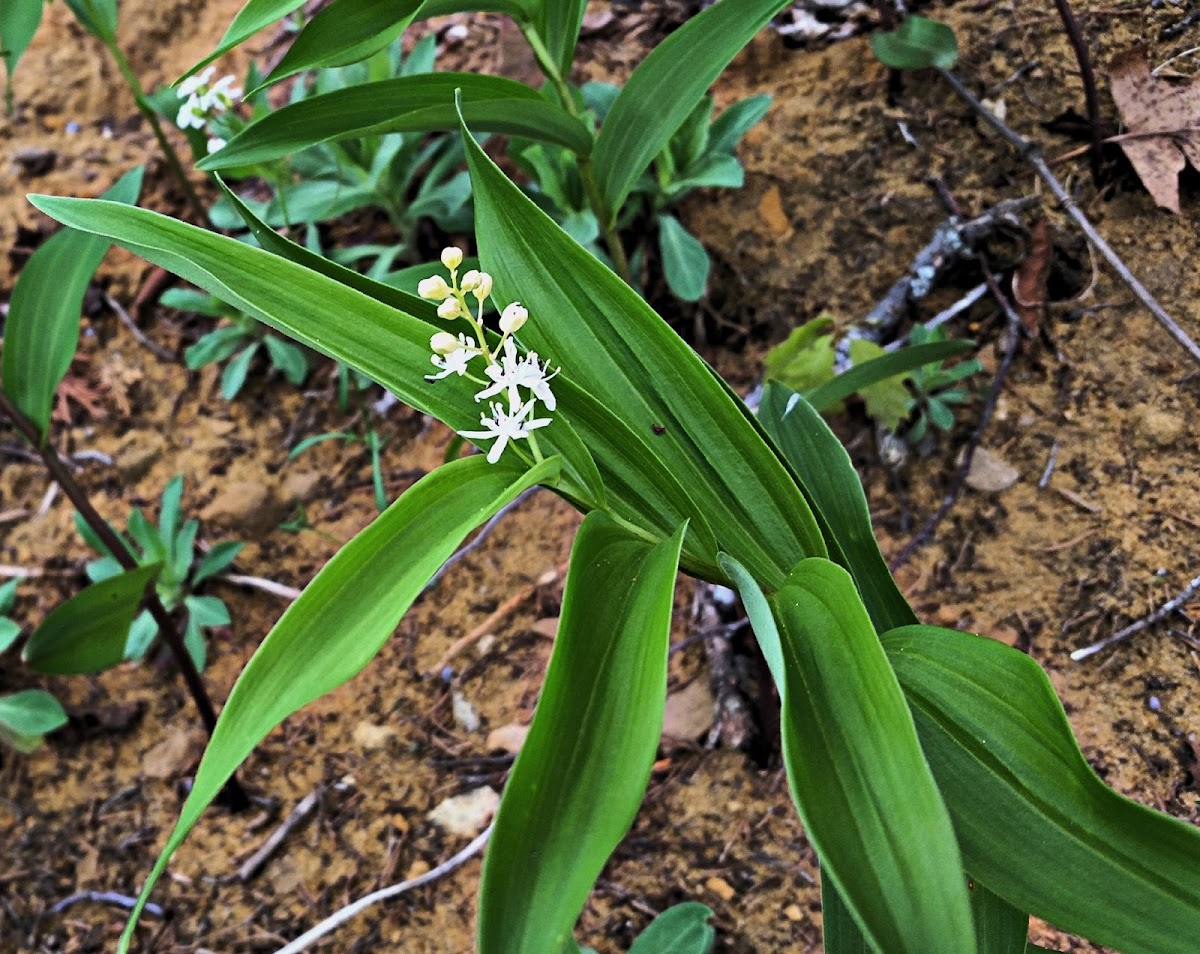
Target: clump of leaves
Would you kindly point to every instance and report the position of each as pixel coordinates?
(701, 154)
(27, 716)
(236, 341)
(937, 389)
(171, 547)
(918, 43)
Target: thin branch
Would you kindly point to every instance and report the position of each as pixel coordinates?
(1169, 607)
(479, 537)
(281, 590)
(106, 897)
(1088, 75)
(305, 940)
(139, 336)
(1033, 155)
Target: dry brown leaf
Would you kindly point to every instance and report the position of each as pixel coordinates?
(1029, 282)
(1163, 118)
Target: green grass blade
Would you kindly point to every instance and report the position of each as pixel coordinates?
(421, 103)
(582, 772)
(860, 781)
(42, 328)
(1035, 822)
(880, 369)
(665, 88)
(387, 344)
(344, 32)
(559, 23)
(18, 24)
(254, 16)
(88, 632)
(824, 469)
(344, 616)
(612, 345)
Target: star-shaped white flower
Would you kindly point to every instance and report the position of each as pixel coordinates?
(193, 84)
(506, 426)
(506, 373)
(222, 94)
(456, 361)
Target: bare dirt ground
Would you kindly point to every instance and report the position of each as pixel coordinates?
(836, 204)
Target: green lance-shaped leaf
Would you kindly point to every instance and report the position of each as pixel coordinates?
(344, 32)
(519, 10)
(421, 103)
(917, 44)
(584, 767)
(665, 88)
(42, 328)
(856, 770)
(98, 17)
(88, 633)
(1035, 823)
(1000, 928)
(616, 348)
(683, 929)
(558, 22)
(18, 23)
(254, 16)
(388, 345)
(831, 484)
(685, 262)
(880, 369)
(345, 615)
(28, 715)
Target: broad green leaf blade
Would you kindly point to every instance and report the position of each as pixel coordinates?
(1035, 823)
(611, 344)
(254, 16)
(1000, 928)
(861, 784)
(880, 369)
(9, 631)
(919, 43)
(833, 489)
(18, 23)
(583, 769)
(27, 715)
(345, 615)
(345, 31)
(839, 931)
(685, 262)
(520, 10)
(559, 23)
(42, 328)
(762, 619)
(420, 103)
(386, 344)
(683, 929)
(88, 632)
(666, 87)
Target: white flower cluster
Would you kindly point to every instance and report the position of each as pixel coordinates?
(507, 370)
(204, 100)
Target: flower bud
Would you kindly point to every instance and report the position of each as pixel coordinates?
(484, 287)
(443, 342)
(452, 257)
(470, 281)
(449, 309)
(434, 288)
(513, 318)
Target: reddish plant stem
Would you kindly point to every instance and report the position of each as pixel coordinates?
(167, 626)
(1088, 75)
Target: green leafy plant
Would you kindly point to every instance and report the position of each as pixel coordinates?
(26, 717)
(238, 341)
(935, 771)
(936, 389)
(918, 43)
(168, 547)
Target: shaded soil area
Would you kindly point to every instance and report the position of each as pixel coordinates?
(836, 204)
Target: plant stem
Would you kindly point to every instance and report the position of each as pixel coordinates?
(605, 216)
(1032, 153)
(1088, 75)
(117, 547)
(168, 151)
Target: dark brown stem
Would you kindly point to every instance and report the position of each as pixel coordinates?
(1088, 75)
(166, 625)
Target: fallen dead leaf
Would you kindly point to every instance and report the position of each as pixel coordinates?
(1029, 282)
(990, 473)
(1163, 118)
(689, 713)
(467, 814)
(171, 757)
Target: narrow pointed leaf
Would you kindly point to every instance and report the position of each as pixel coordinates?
(41, 331)
(861, 784)
(386, 344)
(583, 769)
(839, 931)
(1035, 822)
(216, 560)
(613, 345)
(345, 615)
(880, 369)
(254, 16)
(344, 32)
(685, 262)
(519, 10)
(422, 103)
(18, 23)
(559, 23)
(88, 632)
(1000, 928)
(665, 88)
(683, 929)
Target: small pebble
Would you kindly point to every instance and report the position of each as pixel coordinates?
(1154, 704)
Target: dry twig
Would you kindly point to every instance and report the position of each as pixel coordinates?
(1169, 607)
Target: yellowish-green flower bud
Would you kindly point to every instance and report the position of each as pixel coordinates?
(470, 280)
(435, 288)
(443, 343)
(513, 318)
(452, 257)
(449, 309)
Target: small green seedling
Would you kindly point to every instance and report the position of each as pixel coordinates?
(936, 388)
(237, 342)
(9, 628)
(171, 544)
(26, 718)
(919, 43)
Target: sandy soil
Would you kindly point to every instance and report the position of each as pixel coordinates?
(835, 206)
